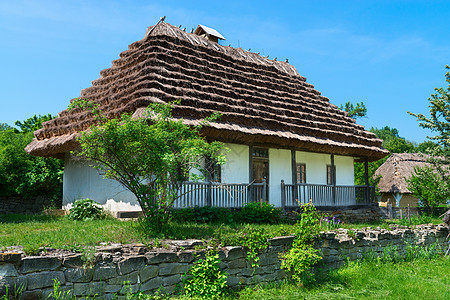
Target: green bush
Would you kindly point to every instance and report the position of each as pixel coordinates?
(204, 214)
(86, 209)
(205, 279)
(258, 212)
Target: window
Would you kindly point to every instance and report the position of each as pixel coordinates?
(301, 173)
(331, 180)
(214, 170)
(260, 153)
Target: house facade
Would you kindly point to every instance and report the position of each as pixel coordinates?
(287, 143)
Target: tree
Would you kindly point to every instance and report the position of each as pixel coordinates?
(427, 185)
(22, 174)
(34, 123)
(354, 111)
(148, 156)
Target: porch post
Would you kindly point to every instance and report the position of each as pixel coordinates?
(250, 177)
(333, 180)
(294, 176)
(366, 179)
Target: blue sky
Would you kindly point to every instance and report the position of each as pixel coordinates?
(388, 54)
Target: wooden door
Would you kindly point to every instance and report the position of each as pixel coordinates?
(260, 172)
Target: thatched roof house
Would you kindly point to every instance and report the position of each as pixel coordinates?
(394, 172)
(264, 103)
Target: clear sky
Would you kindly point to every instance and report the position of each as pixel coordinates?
(388, 54)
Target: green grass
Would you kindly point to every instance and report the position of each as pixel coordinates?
(419, 279)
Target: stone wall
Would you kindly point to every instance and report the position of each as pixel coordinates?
(19, 205)
(151, 269)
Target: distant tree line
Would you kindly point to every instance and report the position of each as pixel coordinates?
(22, 174)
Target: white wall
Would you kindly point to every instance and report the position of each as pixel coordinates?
(82, 181)
(235, 170)
(316, 167)
(279, 169)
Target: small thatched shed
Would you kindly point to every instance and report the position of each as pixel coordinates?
(394, 172)
(275, 123)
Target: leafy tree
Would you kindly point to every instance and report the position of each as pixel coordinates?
(392, 141)
(24, 175)
(4, 126)
(150, 159)
(354, 111)
(427, 185)
(34, 123)
(427, 147)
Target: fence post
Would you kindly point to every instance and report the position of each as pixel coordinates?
(283, 195)
(208, 194)
(264, 191)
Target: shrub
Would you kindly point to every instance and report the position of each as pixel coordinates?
(204, 214)
(259, 212)
(86, 209)
(205, 279)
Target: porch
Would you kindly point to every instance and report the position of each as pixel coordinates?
(292, 195)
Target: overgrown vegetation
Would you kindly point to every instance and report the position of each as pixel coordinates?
(149, 156)
(86, 209)
(21, 174)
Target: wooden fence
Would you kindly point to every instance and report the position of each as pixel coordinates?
(293, 195)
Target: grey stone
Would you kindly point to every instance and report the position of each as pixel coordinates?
(104, 272)
(131, 288)
(268, 259)
(66, 289)
(173, 268)
(233, 253)
(73, 261)
(186, 256)
(132, 278)
(31, 295)
(130, 264)
(159, 257)
(281, 240)
(237, 263)
(152, 284)
(232, 280)
(39, 263)
(8, 270)
(14, 284)
(149, 272)
(10, 257)
(44, 279)
(89, 289)
(113, 288)
(171, 280)
(169, 290)
(79, 275)
(233, 271)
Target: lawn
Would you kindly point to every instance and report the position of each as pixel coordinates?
(419, 279)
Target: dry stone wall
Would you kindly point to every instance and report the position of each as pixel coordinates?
(20, 205)
(148, 270)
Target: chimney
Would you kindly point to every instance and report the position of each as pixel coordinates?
(209, 33)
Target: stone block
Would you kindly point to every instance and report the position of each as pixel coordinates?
(233, 271)
(10, 257)
(281, 240)
(152, 284)
(89, 289)
(238, 263)
(8, 270)
(14, 284)
(130, 277)
(113, 288)
(131, 288)
(31, 295)
(39, 263)
(73, 261)
(79, 275)
(149, 272)
(169, 290)
(269, 259)
(44, 279)
(66, 289)
(104, 272)
(130, 264)
(186, 256)
(160, 257)
(233, 253)
(173, 268)
(232, 280)
(171, 280)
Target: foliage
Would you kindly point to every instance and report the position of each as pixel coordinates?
(258, 212)
(86, 209)
(34, 123)
(429, 187)
(149, 158)
(57, 293)
(354, 111)
(203, 214)
(331, 223)
(300, 260)
(205, 279)
(22, 174)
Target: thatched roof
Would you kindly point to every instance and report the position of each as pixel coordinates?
(262, 101)
(396, 169)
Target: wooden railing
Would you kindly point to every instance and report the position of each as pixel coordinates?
(215, 194)
(293, 195)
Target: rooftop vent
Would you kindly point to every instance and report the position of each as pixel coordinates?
(209, 33)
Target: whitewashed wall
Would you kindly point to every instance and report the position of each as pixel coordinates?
(236, 168)
(279, 169)
(82, 181)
